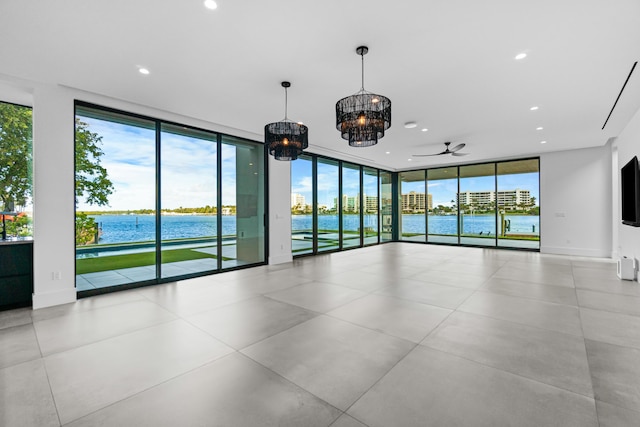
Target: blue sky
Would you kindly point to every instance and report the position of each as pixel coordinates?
(188, 172)
(443, 191)
(189, 178)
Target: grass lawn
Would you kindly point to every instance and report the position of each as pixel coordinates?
(106, 263)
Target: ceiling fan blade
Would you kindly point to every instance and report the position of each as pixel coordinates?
(459, 154)
(425, 155)
(457, 147)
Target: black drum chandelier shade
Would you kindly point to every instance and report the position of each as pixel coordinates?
(286, 139)
(363, 117)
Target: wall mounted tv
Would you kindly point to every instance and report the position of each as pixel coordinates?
(630, 187)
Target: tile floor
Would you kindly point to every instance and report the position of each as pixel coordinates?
(392, 335)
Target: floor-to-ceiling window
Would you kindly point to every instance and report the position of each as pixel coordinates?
(243, 201)
(157, 200)
(488, 204)
(328, 205)
(338, 205)
(442, 194)
(477, 201)
(386, 206)
(517, 200)
(413, 206)
(302, 205)
(350, 205)
(370, 205)
(189, 236)
(15, 171)
(115, 199)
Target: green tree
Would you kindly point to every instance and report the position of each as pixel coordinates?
(92, 182)
(15, 155)
(91, 177)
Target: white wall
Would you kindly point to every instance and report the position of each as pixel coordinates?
(575, 201)
(279, 211)
(628, 145)
(53, 197)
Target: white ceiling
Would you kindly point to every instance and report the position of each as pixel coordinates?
(448, 65)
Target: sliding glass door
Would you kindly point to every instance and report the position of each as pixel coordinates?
(189, 235)
(157, 201)
(517, 199)
(442, 193)
(413, 220)
(350, 205)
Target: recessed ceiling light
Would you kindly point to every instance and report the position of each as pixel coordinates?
(387, 152)
(521, 55)
(409, 159)
(143, 70)
(410, 125)
(424, 129)
(210, 4)
(534, 108)
(539, 128)
(543, 142)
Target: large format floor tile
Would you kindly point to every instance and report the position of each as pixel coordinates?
(612, 328)
(431, 388)
(624, 304)
(91, 377)
(70, 331)
(317, 296)
(411, 321)
(615, 372)
(612, 286)
(232, 391)
(549, 357)
(250, 321)
(615, 416)
(451, 278)
(25, 396)
(334, 360)
(18, 344)
(428, 293)
(554, 317)
(523, 289)
(536, 276)
(500, 338)
(185, 300)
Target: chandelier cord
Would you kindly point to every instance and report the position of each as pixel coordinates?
(285, 103)
(362, 56)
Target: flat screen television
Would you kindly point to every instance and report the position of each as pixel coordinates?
(630, 188)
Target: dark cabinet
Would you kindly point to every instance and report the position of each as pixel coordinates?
(16, 274)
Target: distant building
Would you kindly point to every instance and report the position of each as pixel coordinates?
(297, 199)
(414, 201)
(370, 203)
(507, 199)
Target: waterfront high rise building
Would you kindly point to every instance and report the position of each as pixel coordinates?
(414, 201)
(507, 199)
(298, 199)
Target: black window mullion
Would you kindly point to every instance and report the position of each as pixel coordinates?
(219, 200)
(158, 256)
(340, 236)
(361, 206)
(314, 210)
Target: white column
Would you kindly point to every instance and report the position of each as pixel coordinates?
(53, 197)
(279, 211)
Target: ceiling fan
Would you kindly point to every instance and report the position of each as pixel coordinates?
(453, 151)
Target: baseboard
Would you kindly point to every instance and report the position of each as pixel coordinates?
(49, 299)
(593, 253)
(280, 259)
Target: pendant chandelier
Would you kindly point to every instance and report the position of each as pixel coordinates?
(286, 139)
(363, 117)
